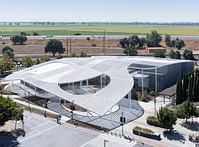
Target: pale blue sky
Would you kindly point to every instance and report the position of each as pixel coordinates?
(100, 10)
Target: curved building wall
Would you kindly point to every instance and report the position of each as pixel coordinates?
(168, 74)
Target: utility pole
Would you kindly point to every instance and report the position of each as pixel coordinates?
(70, 45)
(104, 43)
(67, 46)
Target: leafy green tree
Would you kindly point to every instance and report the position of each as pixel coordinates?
(153, 39)
(18, 39)
(168, 40)
(54, 46)
(6, 65)
(160, 54)
(166, 117)
(27, 62)
(178, 43)
(174, 54)
(131, 44)
(188, 54)
(124, 42)
(142, 42)
(178, 55)
(129, 51)
(188, 109)
(8, 52)
(9, 110)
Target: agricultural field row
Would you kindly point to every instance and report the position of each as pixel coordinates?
(110, 29)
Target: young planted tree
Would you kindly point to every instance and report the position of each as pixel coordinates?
(166, 117)
(188, 109)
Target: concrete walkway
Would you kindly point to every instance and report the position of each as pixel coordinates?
(178, 139)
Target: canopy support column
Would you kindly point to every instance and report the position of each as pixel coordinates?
(129, 97)
(101, 86)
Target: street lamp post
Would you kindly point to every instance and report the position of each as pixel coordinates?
(122, 122)
(156, 87)
(155, 106)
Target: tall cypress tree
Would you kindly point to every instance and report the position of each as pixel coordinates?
(197, 89)
(190, 88)
(185, 86)
(179, 92)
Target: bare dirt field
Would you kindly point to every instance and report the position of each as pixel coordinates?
(91, 47)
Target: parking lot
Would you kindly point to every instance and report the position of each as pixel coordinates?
(44, 132)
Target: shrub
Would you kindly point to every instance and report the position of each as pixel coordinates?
(160, 54)
(77, 34)
(45, 59)
(59, 57)
(93, 45)
(83, 54)
(73, 55)
(152, 120)
(143, 130)
(88, 38)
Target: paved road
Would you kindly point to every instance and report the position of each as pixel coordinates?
(42, 132)
(184, 37)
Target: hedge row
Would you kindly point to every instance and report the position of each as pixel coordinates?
(152, 120)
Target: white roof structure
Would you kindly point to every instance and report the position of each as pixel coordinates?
(48, 76)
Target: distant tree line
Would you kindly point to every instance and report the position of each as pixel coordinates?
(187, 88)
(132, 43)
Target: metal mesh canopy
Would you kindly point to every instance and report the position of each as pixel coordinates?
(48, 76)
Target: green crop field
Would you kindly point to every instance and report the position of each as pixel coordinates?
(111, 29)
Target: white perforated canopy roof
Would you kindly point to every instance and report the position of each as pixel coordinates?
(47, 76)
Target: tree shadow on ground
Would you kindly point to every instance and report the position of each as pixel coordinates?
(10, 138)
(191, 126)
(175, 135)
